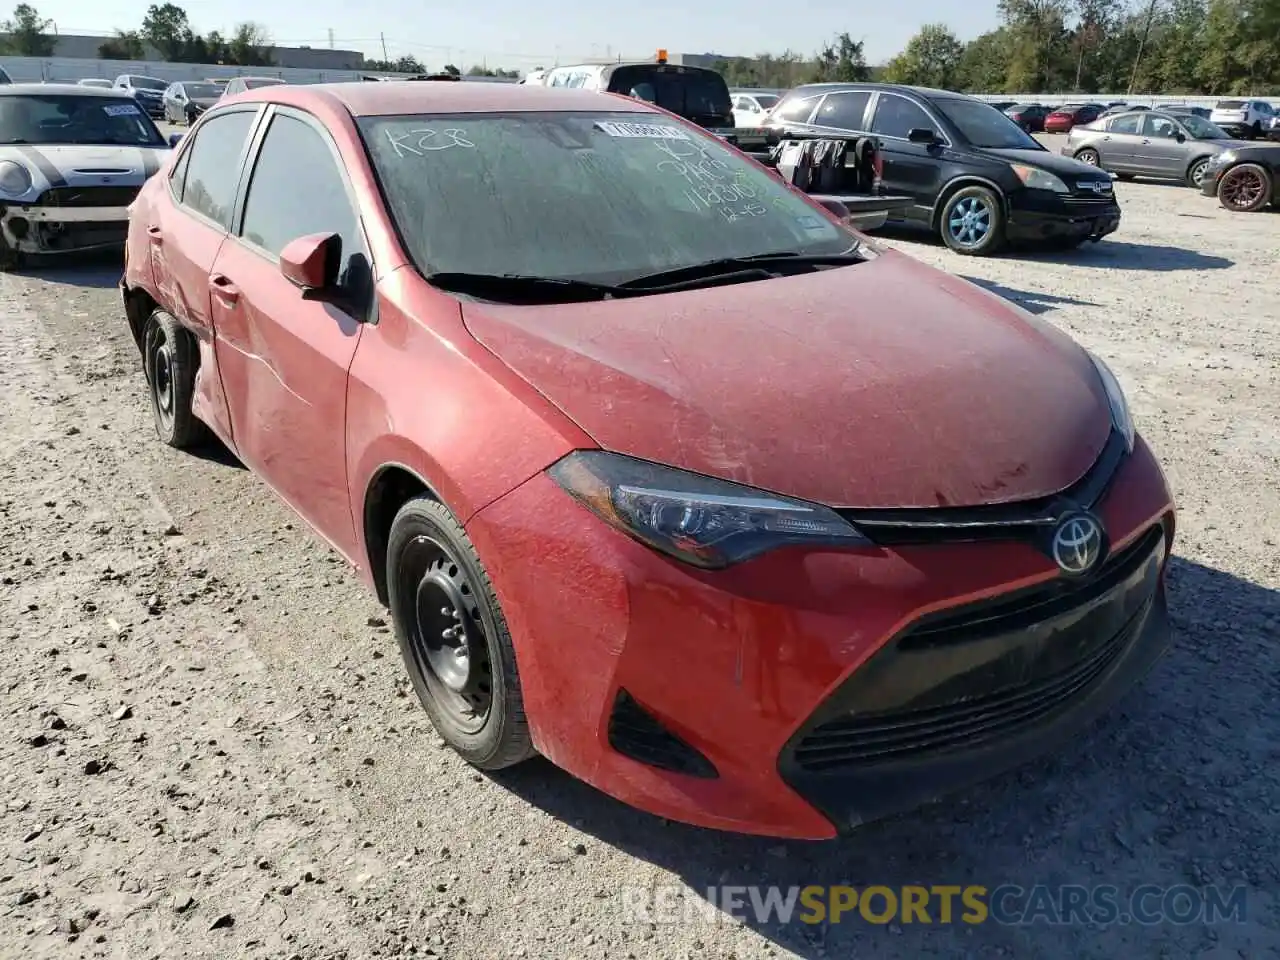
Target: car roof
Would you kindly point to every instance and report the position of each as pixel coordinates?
(927, 93)
(428, 96)
(67, 88)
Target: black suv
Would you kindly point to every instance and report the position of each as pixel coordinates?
(976, 177)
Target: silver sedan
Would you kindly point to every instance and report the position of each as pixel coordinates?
(1150, 143)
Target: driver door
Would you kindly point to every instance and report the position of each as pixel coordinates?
(1160, 152)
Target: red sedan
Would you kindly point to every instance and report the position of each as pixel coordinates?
(663, 472)
(1072, 115)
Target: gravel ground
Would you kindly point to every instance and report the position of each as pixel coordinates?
(211, 749)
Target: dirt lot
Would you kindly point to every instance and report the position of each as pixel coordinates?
(209, 750)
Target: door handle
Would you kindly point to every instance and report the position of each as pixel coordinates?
(156, 235)
(223, 288)
(1145, 140)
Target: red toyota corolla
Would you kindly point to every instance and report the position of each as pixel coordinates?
(663, 472)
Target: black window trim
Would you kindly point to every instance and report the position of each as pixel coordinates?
(822, 101)
(916, 101)
(186, 147)
(1149, 115)
(363, 312)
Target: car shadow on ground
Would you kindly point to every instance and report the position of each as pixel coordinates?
(1031, 301)
(1108, 253)
(214, 450)
(99, 270)
(1147, 792)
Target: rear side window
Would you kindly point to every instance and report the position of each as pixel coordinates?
(297, 190)
(214, 166)
(795, 110)
(897, 117)
(1126, 124)
(692, 94)
(843, 110)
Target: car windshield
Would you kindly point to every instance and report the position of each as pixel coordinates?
(261, 82)
(53, 118)
(767, 101)
(985, 126)
(202, 91)
(596, 197)
(147, 83)
(1202, 129)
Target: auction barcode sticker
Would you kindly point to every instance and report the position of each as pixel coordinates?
(651, 131)
(121, 110)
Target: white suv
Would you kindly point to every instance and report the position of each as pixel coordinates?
(1250, 118)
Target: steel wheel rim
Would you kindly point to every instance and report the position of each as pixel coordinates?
(969, 221)
(1241, 188)
(1089, 157)
(162, 375)
(446, 634)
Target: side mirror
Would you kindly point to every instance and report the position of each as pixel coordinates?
(311, 262)
(1180, 137)
(174, 140)
(922, 135)
(835, 207)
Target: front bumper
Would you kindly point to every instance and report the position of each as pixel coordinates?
(690, 693)
(1042, 215)
(1209, 184)
(53, 229)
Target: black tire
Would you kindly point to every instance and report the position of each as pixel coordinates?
(962, 204)
(435, 577)
(1245, 188)
(10, 259)
(1255, 132)
(1195, 173)
(1090, 156)
(170, 359)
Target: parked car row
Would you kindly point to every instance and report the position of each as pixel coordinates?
(180, 102)
(1166, 144)
(498, 424)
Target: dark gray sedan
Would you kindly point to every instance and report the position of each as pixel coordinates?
(186, 100)
(1150, 143)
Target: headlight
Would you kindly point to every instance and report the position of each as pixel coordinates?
(15, 179)
(1120, 416)
(702, 521)
(1221, 159)
(1036, 179)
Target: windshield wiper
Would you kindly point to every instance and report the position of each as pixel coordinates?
(540, 289)
(711, 270)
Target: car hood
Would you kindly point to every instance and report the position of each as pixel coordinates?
(84, 165)
(1054, 163)
(885, 384)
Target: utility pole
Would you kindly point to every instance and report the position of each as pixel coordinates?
(331, 38)
(1146, 32)
(383, 38)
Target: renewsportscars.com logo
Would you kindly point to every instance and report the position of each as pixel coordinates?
(1008, 904)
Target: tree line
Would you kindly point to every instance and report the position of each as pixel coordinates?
(1207, 47)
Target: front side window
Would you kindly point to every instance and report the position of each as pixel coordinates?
(214, 168)
(897, 117)
(296, 190)
(54, 118)
(1160, 127)
(795, 110)
(845, 111)
(985, 126)
(603, 197)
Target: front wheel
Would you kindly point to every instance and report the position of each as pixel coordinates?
(972, 222)
(454, 638)
(1245, 188)
(1090, 156)
(1195, 175)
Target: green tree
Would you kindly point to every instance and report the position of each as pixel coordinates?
(1037, 29)
(250, 45)
(985, 61)
(1094, 20)
(843, 62)
(931, 59)
(125, 45)
(26, 33)
(167, 28)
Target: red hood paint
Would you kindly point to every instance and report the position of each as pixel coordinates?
(884, 384)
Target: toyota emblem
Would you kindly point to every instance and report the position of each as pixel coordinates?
(1078, 544)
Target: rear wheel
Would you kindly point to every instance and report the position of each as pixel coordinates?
(972, 222)
(454, 638)
(1245, 188)
(169, 359)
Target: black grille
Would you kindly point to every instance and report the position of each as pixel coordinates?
(113, 196)
(1024, 520)
(1089, 200)
(635, 733)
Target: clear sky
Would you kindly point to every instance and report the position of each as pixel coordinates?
(526, 33)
